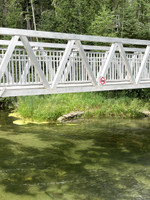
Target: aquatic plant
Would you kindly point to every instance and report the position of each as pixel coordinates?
(94, 104)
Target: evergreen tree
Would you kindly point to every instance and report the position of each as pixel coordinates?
(134, 19)
(75, 16)
(122, 18)
(104, 23)
(14, 15)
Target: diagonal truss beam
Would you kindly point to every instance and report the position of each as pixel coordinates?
(7, 72)
(8, 55)
(108, 61)
(34, 60)
(127, 65)
(29, 64)
(143, 64)
(85, 62)
(63, 62)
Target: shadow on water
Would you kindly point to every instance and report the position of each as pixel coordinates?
(104, 160)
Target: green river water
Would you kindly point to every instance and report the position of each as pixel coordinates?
(85, 160)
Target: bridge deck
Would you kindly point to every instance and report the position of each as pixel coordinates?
(34, 68)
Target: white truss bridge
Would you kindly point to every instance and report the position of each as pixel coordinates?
(60, 63)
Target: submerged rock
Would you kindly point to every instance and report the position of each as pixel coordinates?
(70, 116)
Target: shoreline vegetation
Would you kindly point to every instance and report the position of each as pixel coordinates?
(116, 104)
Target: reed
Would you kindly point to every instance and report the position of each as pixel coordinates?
(94, 104)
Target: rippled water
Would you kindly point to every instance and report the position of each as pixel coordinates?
(84, 160)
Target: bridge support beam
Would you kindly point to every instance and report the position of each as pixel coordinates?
(108, 61)
(34, 60)
(110, 58)
(8, 55)
(85, 62)
(143, 64)
(127, 65)
(30, 68)
(63, 62)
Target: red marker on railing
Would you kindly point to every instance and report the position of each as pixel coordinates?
(102, 81)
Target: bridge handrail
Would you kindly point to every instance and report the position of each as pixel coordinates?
(52, 65)
(63, 46)
(66, 36)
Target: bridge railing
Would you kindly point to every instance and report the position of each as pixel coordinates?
(53, 65)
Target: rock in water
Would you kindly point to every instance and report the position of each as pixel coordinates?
(70, 116)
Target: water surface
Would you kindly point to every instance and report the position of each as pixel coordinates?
(85, 160)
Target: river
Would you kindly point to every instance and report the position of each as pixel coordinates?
(105, 159)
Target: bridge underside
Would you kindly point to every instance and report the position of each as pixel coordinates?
(37, 68)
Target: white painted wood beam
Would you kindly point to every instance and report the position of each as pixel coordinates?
(85, 62)
(34, 60)
(125, 60)
(143, 64)
(8, 55)
(62, 64)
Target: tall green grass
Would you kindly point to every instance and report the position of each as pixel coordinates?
(94, 104)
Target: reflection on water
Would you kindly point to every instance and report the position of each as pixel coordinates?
(90, 160)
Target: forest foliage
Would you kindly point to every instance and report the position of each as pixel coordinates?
(118, 18)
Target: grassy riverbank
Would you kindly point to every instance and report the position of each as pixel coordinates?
(95, 105)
